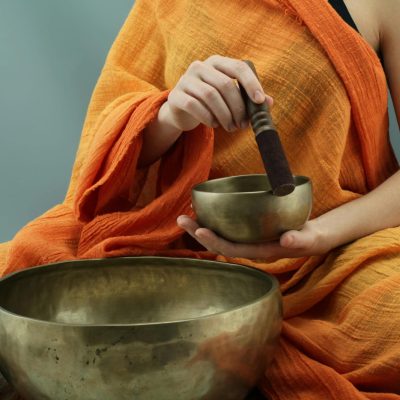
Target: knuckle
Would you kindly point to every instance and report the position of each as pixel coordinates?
(242, 67)
(214, 57)
(209, 93)
(172, 101)
(181, 82)
(188, 103)
(227, 84)
(195, 65)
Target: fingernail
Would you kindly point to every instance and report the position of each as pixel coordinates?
(243, 124)
(259, 96)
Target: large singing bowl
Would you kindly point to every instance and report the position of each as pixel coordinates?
(146, 328)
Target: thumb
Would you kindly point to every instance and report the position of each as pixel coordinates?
(296, 239)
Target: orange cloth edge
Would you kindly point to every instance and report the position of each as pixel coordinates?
(368, 97)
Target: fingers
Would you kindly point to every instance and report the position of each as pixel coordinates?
(308, 241)
(239, 70)
(188, 224)
(207, 93)
(230, 94)
(212, 98)
(218, 245)
(214, 243)
(204, 236)
(180, 101)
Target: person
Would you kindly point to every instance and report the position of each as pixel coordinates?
(167, 114)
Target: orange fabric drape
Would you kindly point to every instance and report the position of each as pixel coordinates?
(341, 334)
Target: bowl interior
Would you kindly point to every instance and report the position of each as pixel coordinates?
(242, 184)
(131, 290)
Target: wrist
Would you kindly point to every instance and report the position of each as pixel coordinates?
(325, 238)
(158, 137)
(166, 119)
(339, 226)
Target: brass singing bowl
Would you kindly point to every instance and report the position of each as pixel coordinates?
(243, 209)
(146, 328)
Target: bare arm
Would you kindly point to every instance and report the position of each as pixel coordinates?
(158, 137)
(390, 47)
(384, 201)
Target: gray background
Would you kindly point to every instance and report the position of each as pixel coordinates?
(51, 55)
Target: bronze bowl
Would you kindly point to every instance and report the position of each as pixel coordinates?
(243, 209)
(145, 328)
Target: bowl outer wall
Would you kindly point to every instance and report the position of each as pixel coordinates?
(252, 217)
(64, 361)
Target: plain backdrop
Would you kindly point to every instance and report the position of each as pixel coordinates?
(51, 56)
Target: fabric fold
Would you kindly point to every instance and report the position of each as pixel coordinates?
(109, 170)
(153, 225)
(346, 48)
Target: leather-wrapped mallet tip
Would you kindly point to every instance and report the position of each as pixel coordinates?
(284, 190)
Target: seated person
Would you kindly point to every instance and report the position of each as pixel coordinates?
(167, 114)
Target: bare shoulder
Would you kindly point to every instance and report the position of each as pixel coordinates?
(388, 8)
(375, 18)
(388, 12)
(378, 22)
(365, 17)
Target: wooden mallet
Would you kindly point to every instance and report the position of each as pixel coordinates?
(269, 144)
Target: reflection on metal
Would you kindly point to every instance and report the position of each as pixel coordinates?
(137, 328)
(243, 209)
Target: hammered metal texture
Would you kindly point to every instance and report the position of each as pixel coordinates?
(145, 328)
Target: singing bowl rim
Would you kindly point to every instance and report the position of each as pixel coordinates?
(225, 265)
(201, 187)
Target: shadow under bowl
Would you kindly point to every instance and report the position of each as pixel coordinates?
(243, 209)
(140, 327)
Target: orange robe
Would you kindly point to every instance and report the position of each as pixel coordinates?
(341, 333)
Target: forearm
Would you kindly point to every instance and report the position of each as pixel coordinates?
(158, 137)
(377, 210)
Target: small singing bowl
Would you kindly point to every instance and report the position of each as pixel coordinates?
(243, 208)
(145, 328)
